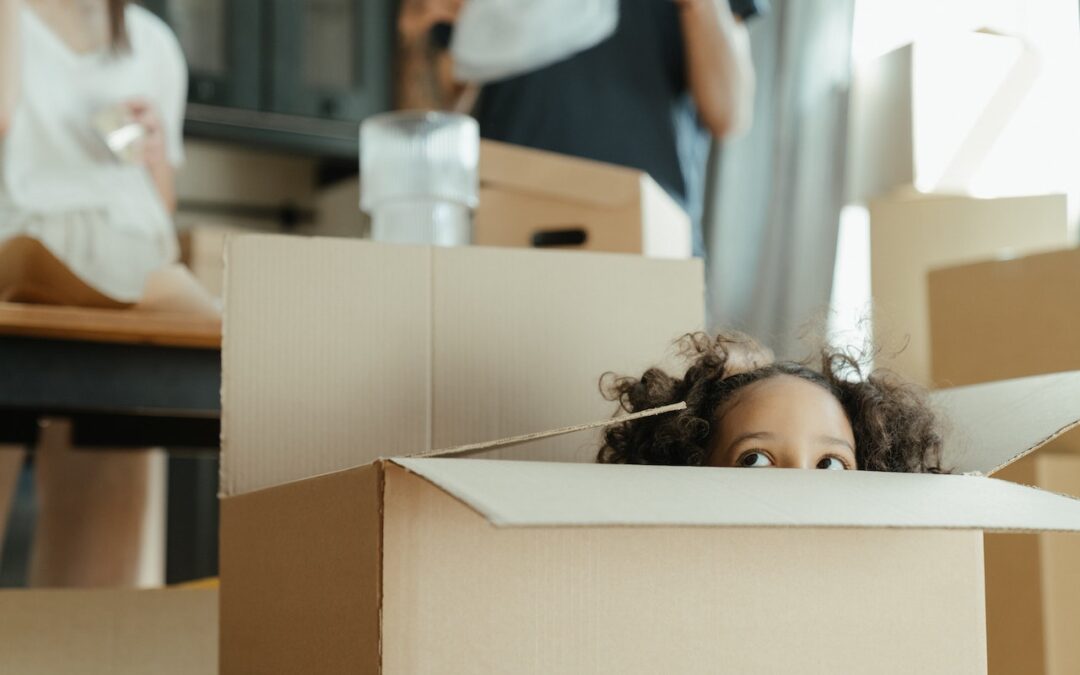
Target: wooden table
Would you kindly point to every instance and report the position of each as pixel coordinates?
(117, 326)
(127, 378)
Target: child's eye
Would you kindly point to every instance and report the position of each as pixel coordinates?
(831, 463)
(754, 459)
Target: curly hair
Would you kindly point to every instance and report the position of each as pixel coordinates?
(894, 427)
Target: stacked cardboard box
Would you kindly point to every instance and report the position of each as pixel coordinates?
(1010, 318)
(938, 115)
(530, 197)
(109, 632)
(921, 148)
(910, 235)
(106, 632)
(338, 353)
(920, 143)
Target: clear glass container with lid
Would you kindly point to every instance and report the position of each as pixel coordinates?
(418, 176)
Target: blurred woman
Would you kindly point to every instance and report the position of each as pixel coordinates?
(71, 71)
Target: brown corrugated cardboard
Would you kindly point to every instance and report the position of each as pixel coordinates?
(487, 446)
(564, 494)
(1060, 558)
(910, 236)
(998, 319)
(303, 563)
(1032, 627)
(29, 272)
(349, 350)
(1014, 617)
(459, 595)
(992, 437)
(109, 632)
(496, 566)
(1009, 318)
(524, 192)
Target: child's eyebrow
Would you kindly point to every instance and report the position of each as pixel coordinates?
(833, 440)
(751, 435)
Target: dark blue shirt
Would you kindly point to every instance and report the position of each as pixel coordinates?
(623, 101)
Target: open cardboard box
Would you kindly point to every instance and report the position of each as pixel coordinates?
(109, 632)
(434, 565)
(331, 341)
(587, 205)
(1026, 312)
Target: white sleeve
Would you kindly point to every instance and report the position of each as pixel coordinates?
(172, 94)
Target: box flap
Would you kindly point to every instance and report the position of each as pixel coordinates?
(526, 354)
(473, 448)
(326, 352)
(338, 351)
(548, 173)
(989, 426)
(300, 572)
(524, 494)
(458, 591)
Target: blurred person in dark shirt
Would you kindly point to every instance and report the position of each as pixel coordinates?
(647, 89)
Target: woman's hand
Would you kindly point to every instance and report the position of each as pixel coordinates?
(417, 18)
(151, 148)
(719, 68)
(152, 151)
(425, 77)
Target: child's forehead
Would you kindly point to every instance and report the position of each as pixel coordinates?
(780, 394)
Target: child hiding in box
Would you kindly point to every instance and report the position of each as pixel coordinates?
(744, 409)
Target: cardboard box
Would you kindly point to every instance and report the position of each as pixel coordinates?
(1032, 627)
(435, 565)
(997, 319)
(910, 236)
(30, 272)
(935, 114)
(526, 192)
(336, 351)
(109, 632)
(1009, 318)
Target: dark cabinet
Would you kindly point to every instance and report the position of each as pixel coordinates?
(299, 74)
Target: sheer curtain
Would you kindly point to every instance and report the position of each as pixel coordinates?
(776, 193)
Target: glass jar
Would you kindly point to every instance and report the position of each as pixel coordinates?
(418, 176)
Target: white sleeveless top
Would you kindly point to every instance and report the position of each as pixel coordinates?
(58, 180)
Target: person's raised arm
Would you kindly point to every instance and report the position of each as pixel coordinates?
(9, 61)
(719, 70)
(425, 80)
(154, 153)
